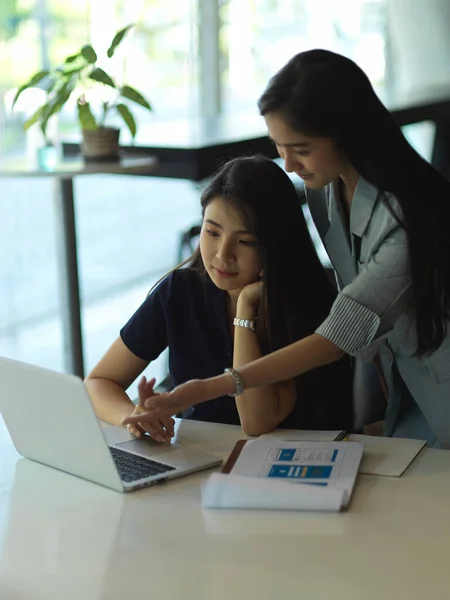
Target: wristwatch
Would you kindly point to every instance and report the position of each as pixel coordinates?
(247, 323)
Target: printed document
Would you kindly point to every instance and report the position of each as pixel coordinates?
(292, 475)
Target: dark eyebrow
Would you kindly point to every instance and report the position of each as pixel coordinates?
(240, 232)
(291, 145)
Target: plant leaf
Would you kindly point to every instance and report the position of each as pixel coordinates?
(86, 117)
(98, 74)
(34, 118)
(55, 104)
(71, 58)
(49, 83)
(117, 39)
(89, 54)
(70, 71)
(37, 77)
(128, 118)
(131, 94)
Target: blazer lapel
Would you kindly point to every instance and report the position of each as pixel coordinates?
(324, 207)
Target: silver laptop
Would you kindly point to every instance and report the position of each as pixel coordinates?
(51, 420)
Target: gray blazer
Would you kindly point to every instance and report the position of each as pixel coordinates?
(370, 313)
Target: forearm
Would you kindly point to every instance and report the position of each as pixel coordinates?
(260, 410)
(291, 361)
(287, 363)
(110, 401)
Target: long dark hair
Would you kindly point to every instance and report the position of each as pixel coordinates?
(320, 93)
(297, 294)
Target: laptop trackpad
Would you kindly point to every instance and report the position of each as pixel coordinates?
(146, 447)
(178, 456)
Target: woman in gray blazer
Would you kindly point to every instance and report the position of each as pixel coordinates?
(383, 214)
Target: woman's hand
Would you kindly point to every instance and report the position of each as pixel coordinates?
(161, 429)
(250, 296)
(182, 397)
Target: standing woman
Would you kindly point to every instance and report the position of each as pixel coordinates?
(383, 214)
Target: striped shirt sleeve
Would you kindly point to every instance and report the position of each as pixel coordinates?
(355, 340)
(367, 309)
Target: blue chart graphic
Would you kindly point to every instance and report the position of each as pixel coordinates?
(286, 454)
(300, 472)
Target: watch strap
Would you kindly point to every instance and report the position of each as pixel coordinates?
(247, 323)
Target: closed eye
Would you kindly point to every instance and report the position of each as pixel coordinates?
(212, 233)
(296, 150)
(248, 242)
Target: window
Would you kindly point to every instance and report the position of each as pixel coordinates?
(127, 233)
(259, 36)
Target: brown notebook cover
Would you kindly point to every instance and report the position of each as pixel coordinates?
(231, 460)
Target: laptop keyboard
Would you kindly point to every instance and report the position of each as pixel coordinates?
(133, 468)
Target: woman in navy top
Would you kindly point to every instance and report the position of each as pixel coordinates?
(254, 285)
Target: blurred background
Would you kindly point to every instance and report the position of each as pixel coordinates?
(190, 58)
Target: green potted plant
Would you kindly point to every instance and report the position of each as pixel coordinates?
(97, 97)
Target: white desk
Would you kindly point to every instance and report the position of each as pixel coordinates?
(64, 538)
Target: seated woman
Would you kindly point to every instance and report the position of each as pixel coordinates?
(254, 285)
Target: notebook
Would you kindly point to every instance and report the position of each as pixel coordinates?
(285, 475)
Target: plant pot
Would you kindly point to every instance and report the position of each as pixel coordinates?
(100, 144)
(47, 157)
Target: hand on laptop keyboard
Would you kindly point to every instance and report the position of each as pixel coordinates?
(161, 430)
